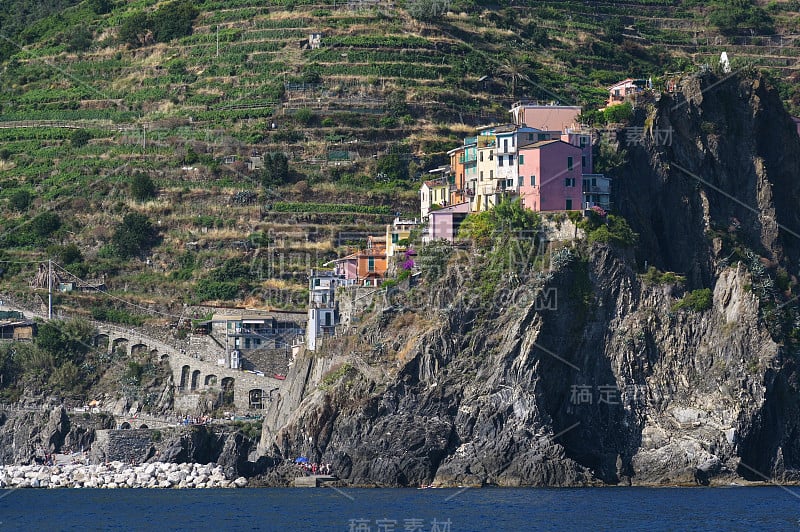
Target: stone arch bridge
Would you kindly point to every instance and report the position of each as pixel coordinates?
(243, 390)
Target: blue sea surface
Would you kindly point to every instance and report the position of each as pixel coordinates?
(403, 510)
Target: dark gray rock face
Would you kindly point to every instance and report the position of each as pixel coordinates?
(28, 435)
(613, 385)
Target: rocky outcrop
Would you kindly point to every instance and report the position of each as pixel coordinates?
(28, 435)
(615, 383)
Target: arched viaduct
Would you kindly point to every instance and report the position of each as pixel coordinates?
(243, 390)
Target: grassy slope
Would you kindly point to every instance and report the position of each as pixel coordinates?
(383, 83)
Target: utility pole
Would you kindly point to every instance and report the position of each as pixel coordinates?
(50, 289)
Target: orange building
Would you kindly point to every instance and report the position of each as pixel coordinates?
(365, 267)
(457, 193)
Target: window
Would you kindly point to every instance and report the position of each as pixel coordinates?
(569, 182)
(569, 164)
(481, 175)
(316, 282)
(509, 183)
(505, 145)
(569, 204)
(500, 160)
(395, 238)
(491, 155)
(481, 156)
(371, 264)
(583, 142)
(594, 182)
(519, 181)
(327, 319)
(583, 161)
(510, 160)
(521, 159)
(533, 180)
(542, 136)
(530, 136)
(491, 174)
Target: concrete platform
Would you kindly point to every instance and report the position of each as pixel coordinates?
(313, 481)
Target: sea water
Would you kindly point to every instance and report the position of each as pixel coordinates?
(402, 510)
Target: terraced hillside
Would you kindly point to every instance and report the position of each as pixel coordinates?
(109, 109)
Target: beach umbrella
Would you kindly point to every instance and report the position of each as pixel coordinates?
(300, 460)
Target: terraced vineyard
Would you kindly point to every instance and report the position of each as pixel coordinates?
(82, 114)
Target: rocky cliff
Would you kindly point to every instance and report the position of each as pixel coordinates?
(609, 378)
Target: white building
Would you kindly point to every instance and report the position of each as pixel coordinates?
(323, 311)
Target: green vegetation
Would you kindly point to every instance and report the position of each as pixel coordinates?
(335, 374)
(740, 17)
(614, 230)
(170, 21)
(60, 361)
(487, 227)
(696, 301)
(654, 276)
(142, 187)
(133, 236)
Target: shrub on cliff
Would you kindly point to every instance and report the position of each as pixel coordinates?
(696, 300)
(616, 231)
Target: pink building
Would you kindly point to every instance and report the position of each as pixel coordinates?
(444, 223)
(545, 117)
(550, 176)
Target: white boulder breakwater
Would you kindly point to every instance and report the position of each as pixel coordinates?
(117, 475)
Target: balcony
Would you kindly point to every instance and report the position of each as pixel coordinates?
(597, 190)
(606, 206)
(470, 140)
(468, 158)
(469, 192)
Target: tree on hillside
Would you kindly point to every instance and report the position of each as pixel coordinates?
(173, 20)
(142, 187)
(100, 7)
(20, 200)
(133, 235)
(133, 29)
(740, 17)
(513, 71)
(170, 21)
(79, 138)
(392, 167)
(79, 39)
(276, 170)
(45, 224)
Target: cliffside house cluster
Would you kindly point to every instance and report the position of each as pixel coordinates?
(544, 157)
(366, 267)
